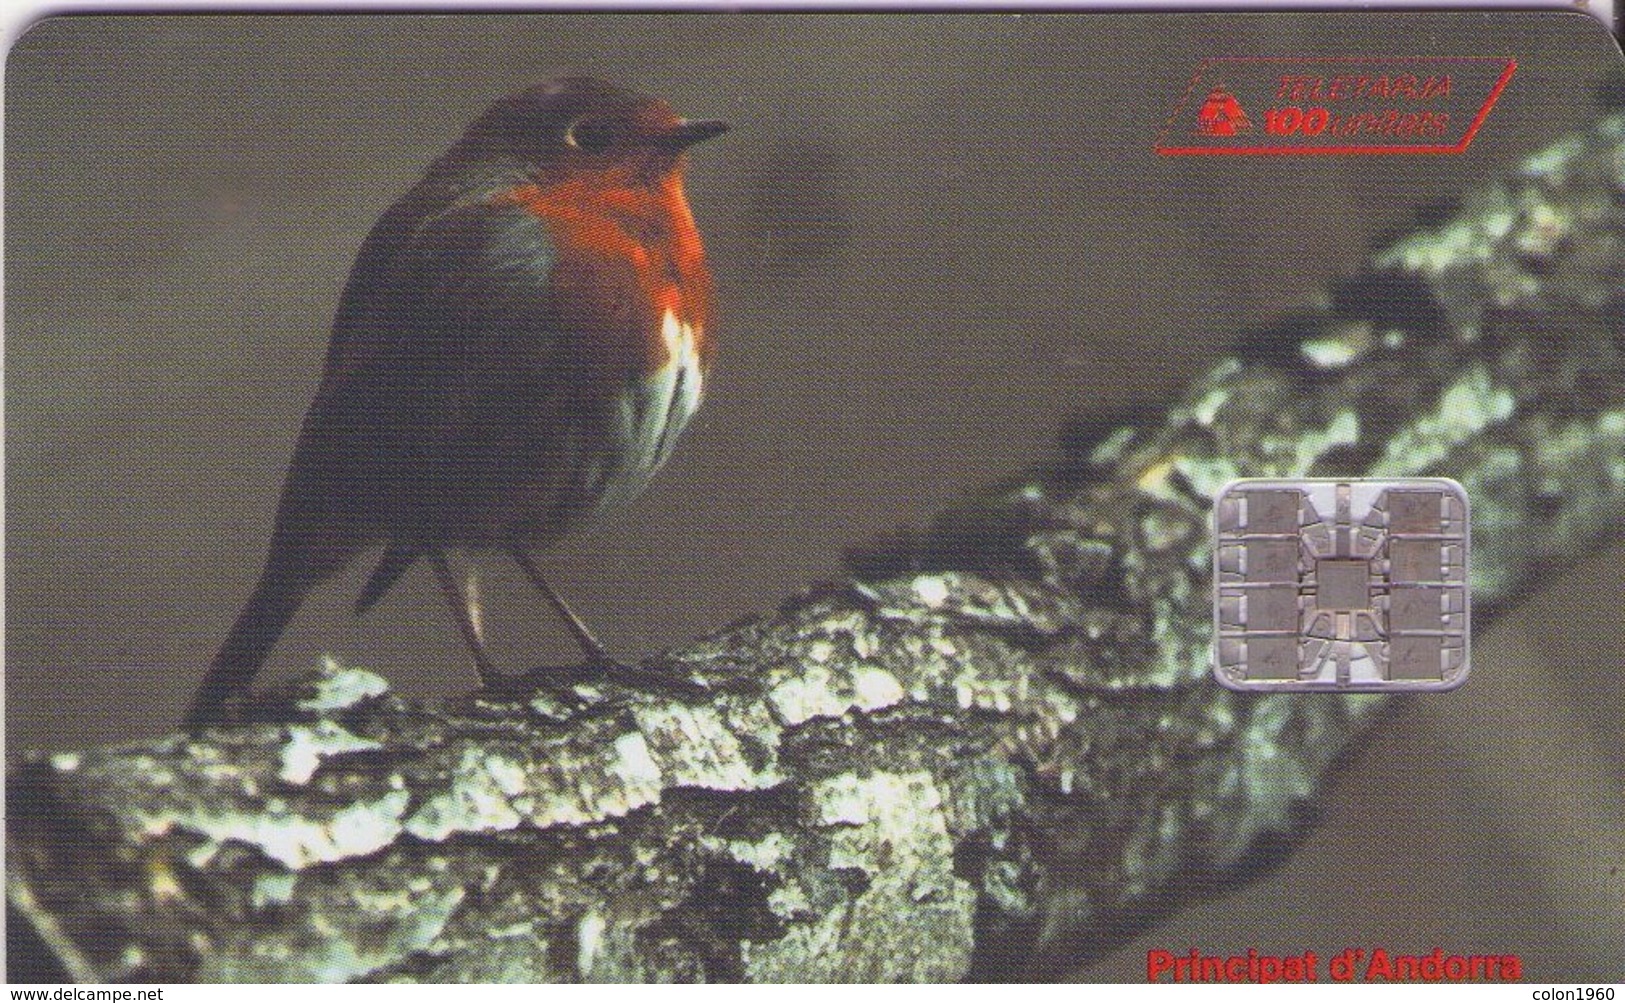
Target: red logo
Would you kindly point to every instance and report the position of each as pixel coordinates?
(1310, 105)
(1221, 115)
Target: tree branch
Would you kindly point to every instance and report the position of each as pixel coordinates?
(995, 751)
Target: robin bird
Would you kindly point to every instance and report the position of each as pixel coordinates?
(522, 337)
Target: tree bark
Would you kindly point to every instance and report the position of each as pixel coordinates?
(996, 751)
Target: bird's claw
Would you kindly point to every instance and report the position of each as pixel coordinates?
(561, 680)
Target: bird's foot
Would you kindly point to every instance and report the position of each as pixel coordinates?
(561, 680)
(643, 677)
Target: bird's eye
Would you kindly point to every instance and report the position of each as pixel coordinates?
(589, 134)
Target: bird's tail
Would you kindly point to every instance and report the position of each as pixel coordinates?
(275, 600)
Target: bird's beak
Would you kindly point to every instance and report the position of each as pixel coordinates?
(689, 131)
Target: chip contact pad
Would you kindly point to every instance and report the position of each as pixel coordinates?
(1349, 585)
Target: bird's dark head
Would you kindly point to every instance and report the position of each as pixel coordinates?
(580, 124)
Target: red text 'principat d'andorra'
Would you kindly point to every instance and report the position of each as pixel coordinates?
(1354, 964)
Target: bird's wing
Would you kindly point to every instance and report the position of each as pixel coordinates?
(396, 264)
(440, 320)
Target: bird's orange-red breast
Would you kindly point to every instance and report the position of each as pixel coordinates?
(523, 335)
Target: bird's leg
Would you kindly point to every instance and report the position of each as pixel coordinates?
(465, 621)
(595, 652)
(598, 658)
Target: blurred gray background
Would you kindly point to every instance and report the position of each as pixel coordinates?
(934, 236)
